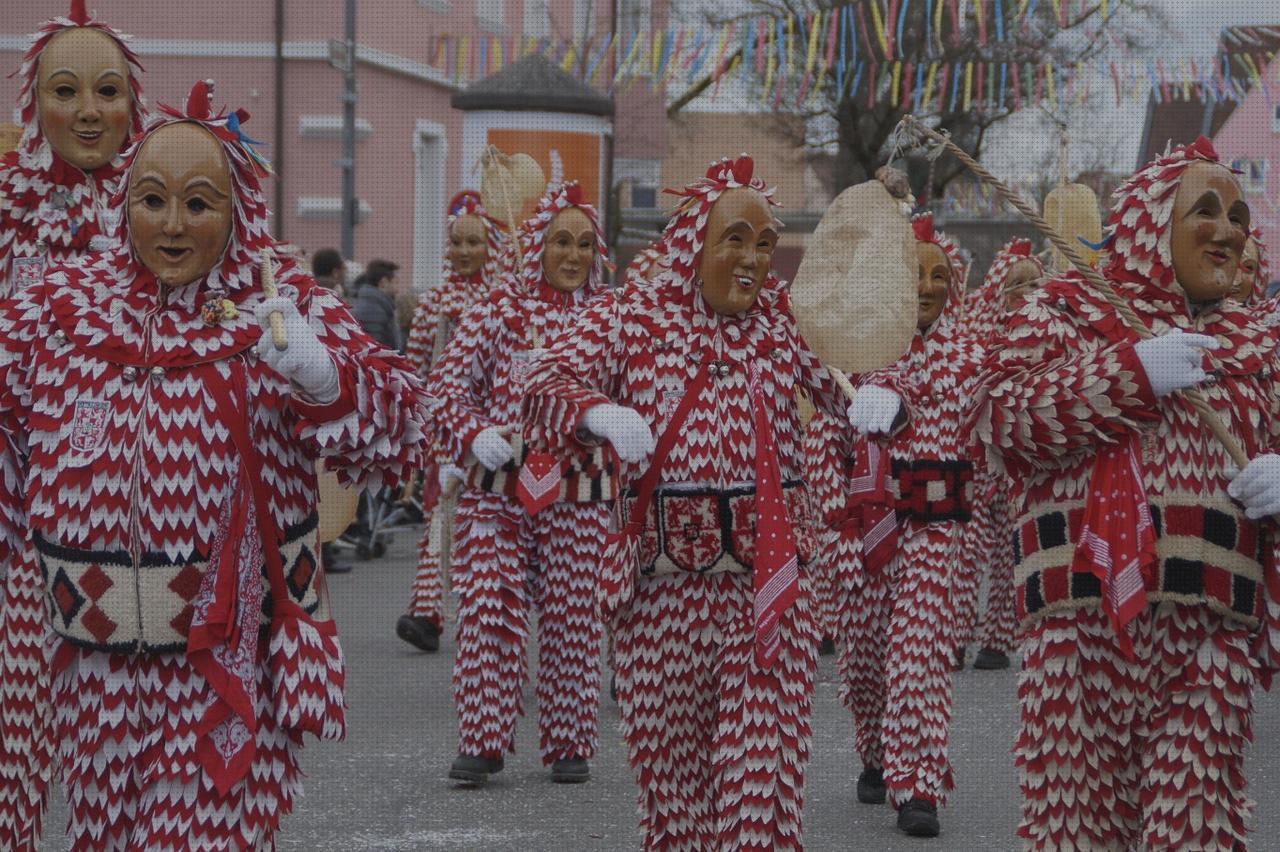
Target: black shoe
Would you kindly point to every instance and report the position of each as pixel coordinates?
(989, 660)
(827, 648)
(473, 770)
(419, 633)
(570, 770)
(919, 818)
(613, 687)
(871, 786)
(958, 665)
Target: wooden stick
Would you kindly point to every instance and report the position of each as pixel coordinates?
(269, 291)
(1194, 396)
(842, 381)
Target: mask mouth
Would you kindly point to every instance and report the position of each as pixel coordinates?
(1218, 257)
(173, 254)
(746, 282)
(88, 137)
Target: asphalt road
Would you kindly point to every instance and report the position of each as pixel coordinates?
(385, 786)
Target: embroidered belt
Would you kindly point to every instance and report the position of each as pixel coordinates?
(98, 600)
(583, 479)
(1209, 555)
(930, 490)
(711, 530)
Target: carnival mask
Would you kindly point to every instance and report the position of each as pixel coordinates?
(1247, 275)
(468, 245)
(932, 277)
(179, 203)
(1019, 282)
(569, 252)
(737, 251)
(1208, 231)
(83, 98)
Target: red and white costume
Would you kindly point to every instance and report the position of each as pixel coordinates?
(50, 212)
(715, 653)
(987, 540)
(508, 565)
(163, 470)
(894, 504)
(1139, 659)
(444, 305)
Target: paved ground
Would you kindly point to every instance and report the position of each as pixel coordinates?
(384, 788)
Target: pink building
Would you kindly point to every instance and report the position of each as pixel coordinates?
(413, 56)
(1250, 141)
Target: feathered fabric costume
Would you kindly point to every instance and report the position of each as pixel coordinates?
(987, 540)
(50, 212)
(170, 499)
(893, 504)
(1149, 600)
(714, 640)
(435, 319)
(479, 383)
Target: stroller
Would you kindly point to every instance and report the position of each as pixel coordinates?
(380, 513)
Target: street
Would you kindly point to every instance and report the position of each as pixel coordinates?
(385, 786)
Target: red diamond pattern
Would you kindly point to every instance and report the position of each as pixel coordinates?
(95, 582)
(97, 623)
(186, 583)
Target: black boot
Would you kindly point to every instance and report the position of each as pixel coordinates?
(419, 632)
(613, 687)
(473, 770)
(989, 660)
(827, 648)
(958, 665)
(871, 786)
(570, 770)
(919, 818)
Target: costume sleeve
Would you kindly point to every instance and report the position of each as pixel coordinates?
(1050, 396)
(827, 443)
(459, 384)
(20, 321)
(578, 372)
(375, 432)
(422, 333)
(813, 375)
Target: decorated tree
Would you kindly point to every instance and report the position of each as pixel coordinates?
(853, 68)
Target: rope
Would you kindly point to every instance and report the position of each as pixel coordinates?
(1194, 396)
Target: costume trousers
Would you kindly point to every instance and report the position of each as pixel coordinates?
(126, 730)
(825, 594)
(973, 556)
(427, 601)
(27, 746)
(999, 625)
(506, 566)
(717, 743)
(895, 663)
(1117, 755)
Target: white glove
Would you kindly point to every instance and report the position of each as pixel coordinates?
(491, 448)
(1173, 361)
(623, 427)
(306, 362)
(446, 476)
(874, 409)
(1258, 487)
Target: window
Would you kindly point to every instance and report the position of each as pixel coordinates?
(645, 197)
(633, 17)
(537, 18)
(1253, 174)
(1275, 123)
(492, 14)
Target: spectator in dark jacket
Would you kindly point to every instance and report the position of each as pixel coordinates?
(329, 270)
(374, 307)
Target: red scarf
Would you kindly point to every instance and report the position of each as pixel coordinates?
(776, 569)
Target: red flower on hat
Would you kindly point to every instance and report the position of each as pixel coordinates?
(922, 226)
(1019, 247)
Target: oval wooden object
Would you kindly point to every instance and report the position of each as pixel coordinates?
(855, 292)
(1072, 210)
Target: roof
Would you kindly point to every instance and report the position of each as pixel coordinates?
(533, 83)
